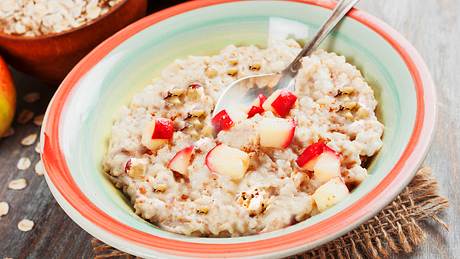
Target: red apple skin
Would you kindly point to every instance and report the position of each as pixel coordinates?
(284, 103)
(291, 134)
(255, 110)
(257, 106)
(7, 97)
(222, 121)
(262, 98)
(312, 152)
(164, 129)
(194, 85)
(206, 160)
(187, 152)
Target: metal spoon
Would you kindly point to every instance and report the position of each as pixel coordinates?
(242, 91)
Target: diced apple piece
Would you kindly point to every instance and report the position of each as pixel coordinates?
(228, 161)
(256, 106)
(158, 133)
(255, 110)
(135, 167)
(222, 121)
(276, 132)
(330, 193)
(309, 156)
(327, 166)
(163, 129)
(225, 119)
(280, 102)
(180, 162)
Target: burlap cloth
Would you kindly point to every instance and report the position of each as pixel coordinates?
(398, 228)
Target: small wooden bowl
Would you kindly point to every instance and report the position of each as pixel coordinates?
(50, 57)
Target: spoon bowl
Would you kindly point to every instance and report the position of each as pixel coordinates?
(243, 91)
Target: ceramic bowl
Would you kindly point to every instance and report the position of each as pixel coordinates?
(78, 120)
(51, 57)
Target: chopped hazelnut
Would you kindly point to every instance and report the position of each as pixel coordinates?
(161, 187)
(348, 115)
(174, 100)
(177, 91)
(197, 113)
(210, 72)
(202, 210)
(194, 121)
(347, 90)
(254, 67)
(362, 113)
(233, 62)
(232, 72)
(350, 105)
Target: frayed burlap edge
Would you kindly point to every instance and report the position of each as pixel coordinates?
(396, 229)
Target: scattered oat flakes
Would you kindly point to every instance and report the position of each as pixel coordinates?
(38, 120)
(8, 133)
(25, 116)
(25, 225)
(31, 97)
(39, 169)
(40, 17)
(29, 140)
(4, 208)
(38, 147)
(18, 184)
(23, 163)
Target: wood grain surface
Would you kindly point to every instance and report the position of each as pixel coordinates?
(432, 26)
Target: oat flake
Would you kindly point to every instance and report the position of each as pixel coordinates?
(38, 147)
(25, 225)
(25, 116)
(31, 97)
(4, 208)
(39, 169)
(29, 140)
(23, 163)
(18, 184)
(38, 120)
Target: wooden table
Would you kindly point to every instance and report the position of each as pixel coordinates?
(432, 26)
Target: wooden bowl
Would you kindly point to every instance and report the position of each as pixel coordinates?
(50, 57)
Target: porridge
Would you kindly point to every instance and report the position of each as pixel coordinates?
(41, 17)
(287, 157)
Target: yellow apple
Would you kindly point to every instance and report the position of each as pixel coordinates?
(7, 97)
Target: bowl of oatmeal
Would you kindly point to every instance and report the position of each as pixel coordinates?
(47, 38)
(134, 155)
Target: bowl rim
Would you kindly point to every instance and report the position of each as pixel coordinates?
(59, 178)
(63, 33)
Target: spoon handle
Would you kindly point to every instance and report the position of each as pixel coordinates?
(340, 10)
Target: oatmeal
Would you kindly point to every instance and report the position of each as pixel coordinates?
(41, 17)
(287, 157)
